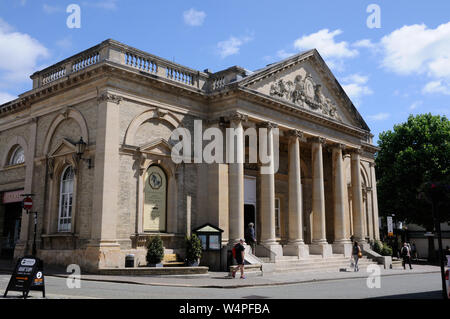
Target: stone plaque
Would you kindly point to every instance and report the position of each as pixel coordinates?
(155, 199)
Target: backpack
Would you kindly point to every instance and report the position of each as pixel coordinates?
(233, 251)
(405, 251)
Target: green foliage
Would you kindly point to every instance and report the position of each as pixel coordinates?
(386, 250)
(377, 246)
(414, 153)
(155, 250)
(193, 248)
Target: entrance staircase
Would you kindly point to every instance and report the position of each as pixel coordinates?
(315, 263)
(312, 263)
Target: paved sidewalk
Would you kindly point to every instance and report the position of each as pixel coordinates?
(222, 279)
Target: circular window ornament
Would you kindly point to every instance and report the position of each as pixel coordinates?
(155, 180)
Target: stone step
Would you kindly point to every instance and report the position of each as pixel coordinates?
(333, 267)
(318, 265)
(174, 264)
(170, 257)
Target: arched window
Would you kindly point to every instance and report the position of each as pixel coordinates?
(17, 156)
(65, 200)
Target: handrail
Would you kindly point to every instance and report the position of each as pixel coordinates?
(262, 251)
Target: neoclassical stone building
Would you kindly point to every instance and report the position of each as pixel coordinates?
(98, 204)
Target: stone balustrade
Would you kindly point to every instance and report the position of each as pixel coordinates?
(118, 53)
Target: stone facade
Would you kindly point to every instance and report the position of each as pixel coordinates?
(125, 103)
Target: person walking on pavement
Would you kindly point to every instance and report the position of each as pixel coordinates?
(239, 255)
(356, 255)
(406, 255)
(250, 236)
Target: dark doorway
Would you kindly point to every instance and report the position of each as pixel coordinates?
(249, 217)
(10, 224)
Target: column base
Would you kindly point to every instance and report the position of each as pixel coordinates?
(344, 247)
(296, 249)
(275, 248)
(320, 248)
(103, 254)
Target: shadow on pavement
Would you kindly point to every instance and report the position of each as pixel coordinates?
(419, 295)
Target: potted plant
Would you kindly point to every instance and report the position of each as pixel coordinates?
(193, 250)
(155, 252)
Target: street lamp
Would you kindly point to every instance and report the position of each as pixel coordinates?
(80, 149)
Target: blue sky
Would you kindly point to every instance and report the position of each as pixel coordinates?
(401, 68)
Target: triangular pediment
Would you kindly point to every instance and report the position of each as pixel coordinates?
(304, 81)
(158, 146)
(63, 148)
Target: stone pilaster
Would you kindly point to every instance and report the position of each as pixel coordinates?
(319, 242)
(342, 243)
(296, 245)
(103, 250)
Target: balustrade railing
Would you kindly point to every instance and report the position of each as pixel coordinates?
(118, 53)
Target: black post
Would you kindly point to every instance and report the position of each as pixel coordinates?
(33, 252)
(441, 254)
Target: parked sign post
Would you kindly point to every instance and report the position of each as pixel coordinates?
(390, 226)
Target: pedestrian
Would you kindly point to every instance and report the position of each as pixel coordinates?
(406, 255)
(447, 251)
(356, 255)
(250, 238)
(414, 251)
(239, 255)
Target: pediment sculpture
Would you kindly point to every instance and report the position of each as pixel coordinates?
(304, 92)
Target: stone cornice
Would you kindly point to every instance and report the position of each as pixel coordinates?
(109, 97)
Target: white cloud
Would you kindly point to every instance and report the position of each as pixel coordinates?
(49, 9)
(438, 86)
(355, 85)
(415, 105)
(193, 17)
(364, 43)
(19, 54)
(6, 97)
(104, 4)
(282, 54)
(333, 52)
(231, 46)
(416, 49)
(379, 116)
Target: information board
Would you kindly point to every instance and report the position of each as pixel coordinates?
(28, 275)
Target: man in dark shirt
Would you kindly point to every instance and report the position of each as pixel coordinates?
(250, 237)
(240, 254)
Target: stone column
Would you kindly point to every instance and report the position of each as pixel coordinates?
(369, 213)
(319, 241)
(376, 226)
(236, 178)
(267, 177)
(342, 243)
(296, 245)
(357, 199)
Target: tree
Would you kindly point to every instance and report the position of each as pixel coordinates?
(413, 154)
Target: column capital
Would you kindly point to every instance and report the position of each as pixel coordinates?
(355, 151)
(237, 117)
(372, 164)
(316, 139)
(294, 134)
(338, 146)
(108, 97)
(268, 125)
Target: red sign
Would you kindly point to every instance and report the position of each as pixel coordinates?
(28, 203)
(13, 197)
